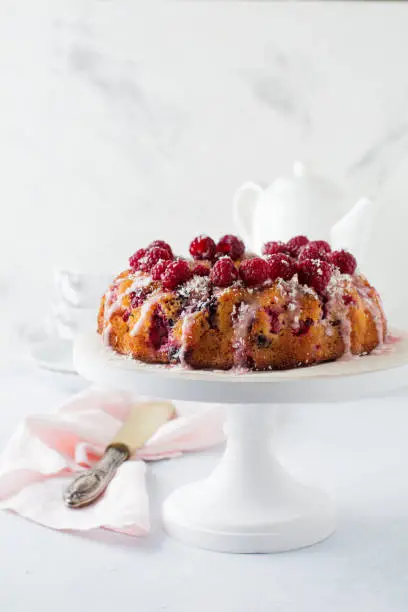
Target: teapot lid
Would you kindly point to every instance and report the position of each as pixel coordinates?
(308, 188)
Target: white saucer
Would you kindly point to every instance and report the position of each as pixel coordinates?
(53, 354)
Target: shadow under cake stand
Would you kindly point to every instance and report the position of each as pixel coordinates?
(250, 503)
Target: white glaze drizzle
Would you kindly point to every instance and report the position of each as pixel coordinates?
(337, 310)
(373, 307)
(293, 291)
(186, 328)
(337, 288)
(144, 312)
(242, 317)
(110, 307)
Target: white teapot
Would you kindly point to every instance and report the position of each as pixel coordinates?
(303, 204)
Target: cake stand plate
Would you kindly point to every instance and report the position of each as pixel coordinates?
(249, 504)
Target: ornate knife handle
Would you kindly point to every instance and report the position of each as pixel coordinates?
(89, 485)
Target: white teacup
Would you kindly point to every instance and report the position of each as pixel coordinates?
(80, 289)
(76, 301)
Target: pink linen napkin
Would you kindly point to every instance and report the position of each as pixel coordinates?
(46, 450)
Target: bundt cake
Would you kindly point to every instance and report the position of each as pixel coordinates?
(299, 304)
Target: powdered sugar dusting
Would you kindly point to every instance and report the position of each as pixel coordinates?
(139, 281)
(195, 289)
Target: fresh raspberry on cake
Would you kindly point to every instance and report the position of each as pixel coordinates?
(223, 272)
(176, 273)
(294, 245)
(322, 244)
(344, 261)
(314, 250)
(136, 257)
(152, 257)
(315, 273)
(202, 247)
(253, 272)
(280, 266)
(163, 245)
(231, 245)
(159, 269)
(275, 246)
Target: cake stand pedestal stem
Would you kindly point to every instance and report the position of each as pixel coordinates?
(249, 503)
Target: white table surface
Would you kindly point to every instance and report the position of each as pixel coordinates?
(358, 452)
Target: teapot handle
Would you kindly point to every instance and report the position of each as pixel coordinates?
(244, 203)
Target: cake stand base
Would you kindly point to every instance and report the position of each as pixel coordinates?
(249, 504)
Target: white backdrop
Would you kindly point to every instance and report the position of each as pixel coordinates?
(121, 122)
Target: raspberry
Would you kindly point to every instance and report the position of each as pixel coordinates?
(159, 268)
(152, 257)
(344, 261)
(159, 330)
(274, 321)
(313, 251)
(322, 244)
(126, 315)
(294, 245)
(231, 245)
(303, 327)
(253, 271)
(315, 273)
(137, 297)
(163, 245)
(176, 273)
(200, 270)
(202, 247)
(270, 248)
(223, 273)
(136, 257)
(280, 266)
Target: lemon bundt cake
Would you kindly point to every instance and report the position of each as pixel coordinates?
(299, 304)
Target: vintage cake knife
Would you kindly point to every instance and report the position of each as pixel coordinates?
(143, 421)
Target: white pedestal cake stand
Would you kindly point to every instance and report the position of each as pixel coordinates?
(249, 503)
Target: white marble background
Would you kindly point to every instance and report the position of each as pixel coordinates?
(121, 122)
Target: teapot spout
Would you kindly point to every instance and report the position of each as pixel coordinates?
(245, 202)
(353, 230)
